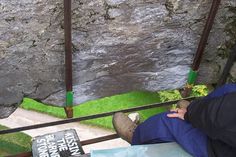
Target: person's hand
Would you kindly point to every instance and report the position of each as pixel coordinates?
(177, 113)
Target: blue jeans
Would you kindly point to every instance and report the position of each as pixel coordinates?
(227, 88)
(160, 129)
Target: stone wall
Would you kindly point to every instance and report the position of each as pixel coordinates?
(118, 46)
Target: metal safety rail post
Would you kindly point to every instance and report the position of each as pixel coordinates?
(201, 47)
(68, 59)
(228, 66)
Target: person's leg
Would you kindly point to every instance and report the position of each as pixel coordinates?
(225, 89)
(153, 130)
(160, 128)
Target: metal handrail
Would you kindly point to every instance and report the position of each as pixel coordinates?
(94, 140)
(65, 121)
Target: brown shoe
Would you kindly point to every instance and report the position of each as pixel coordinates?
(124, 126)
(183, 104)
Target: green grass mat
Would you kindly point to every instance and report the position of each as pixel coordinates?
(15, 143)
(113, 103)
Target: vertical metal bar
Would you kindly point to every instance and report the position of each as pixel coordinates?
(201, 47)
(203, 41)
(68, 58)
(227, 68)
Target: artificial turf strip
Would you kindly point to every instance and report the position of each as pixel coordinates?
(19, 142)
(30, 104)
(11, 144)
(107, 104)
(118, 102)
(114, 103)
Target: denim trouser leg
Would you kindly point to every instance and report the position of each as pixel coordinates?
(160, 128)
(220, 91)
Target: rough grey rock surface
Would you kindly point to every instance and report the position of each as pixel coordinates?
(118, 46)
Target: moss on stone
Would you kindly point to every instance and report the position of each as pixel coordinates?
(230, 28)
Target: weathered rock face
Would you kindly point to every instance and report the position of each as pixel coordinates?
(119, 46)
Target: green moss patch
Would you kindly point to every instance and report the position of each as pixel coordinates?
(15, 143)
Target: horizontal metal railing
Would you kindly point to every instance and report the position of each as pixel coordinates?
(89, 141)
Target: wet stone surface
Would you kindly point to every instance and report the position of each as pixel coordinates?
(118, 46)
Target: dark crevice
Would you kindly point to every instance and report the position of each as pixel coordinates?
(33, 44)
(107, 7)
(10, 19)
